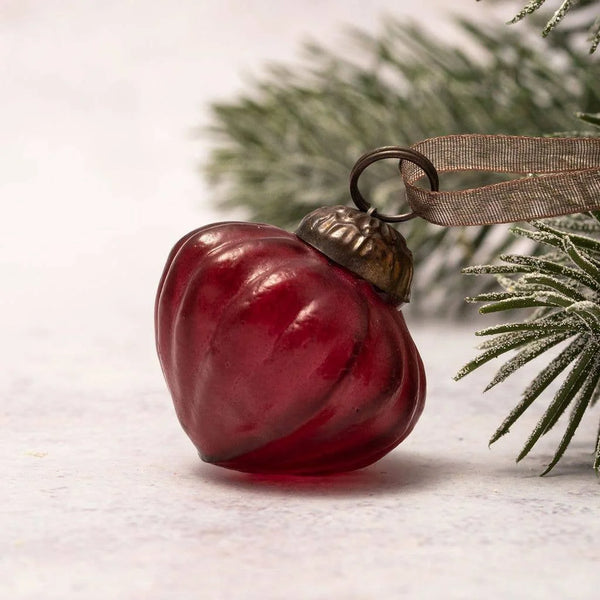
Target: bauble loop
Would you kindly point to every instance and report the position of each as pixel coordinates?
(383, 153)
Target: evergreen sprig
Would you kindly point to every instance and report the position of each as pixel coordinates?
(287, 145)
(562, 286)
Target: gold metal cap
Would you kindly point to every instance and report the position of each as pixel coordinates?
(364, 245)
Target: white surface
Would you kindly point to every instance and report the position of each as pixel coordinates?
(102, 495)
(105, 498)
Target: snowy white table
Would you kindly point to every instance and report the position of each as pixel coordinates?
(104, 497)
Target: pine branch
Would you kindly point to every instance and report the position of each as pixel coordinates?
(565, 286)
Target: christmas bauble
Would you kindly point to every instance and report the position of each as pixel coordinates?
(289, 355)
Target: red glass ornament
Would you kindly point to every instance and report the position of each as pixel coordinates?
(278, 359)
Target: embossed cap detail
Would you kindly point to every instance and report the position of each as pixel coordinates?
(364, 245)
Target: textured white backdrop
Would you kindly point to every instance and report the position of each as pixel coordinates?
(102, 494)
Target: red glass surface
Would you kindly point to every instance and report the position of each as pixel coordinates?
(278, 360)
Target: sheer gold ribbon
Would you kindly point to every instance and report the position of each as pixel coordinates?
(562, 176)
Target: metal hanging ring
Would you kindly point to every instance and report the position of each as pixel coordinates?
(384, 153)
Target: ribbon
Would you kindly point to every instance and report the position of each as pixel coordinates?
(562, 176)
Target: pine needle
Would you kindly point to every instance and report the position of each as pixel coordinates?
(558, 16)
(528, 9)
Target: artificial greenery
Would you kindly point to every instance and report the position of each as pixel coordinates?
(287, 145)
(560, 290)
(562, 287)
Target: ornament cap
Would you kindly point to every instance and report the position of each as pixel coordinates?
(364, 245)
